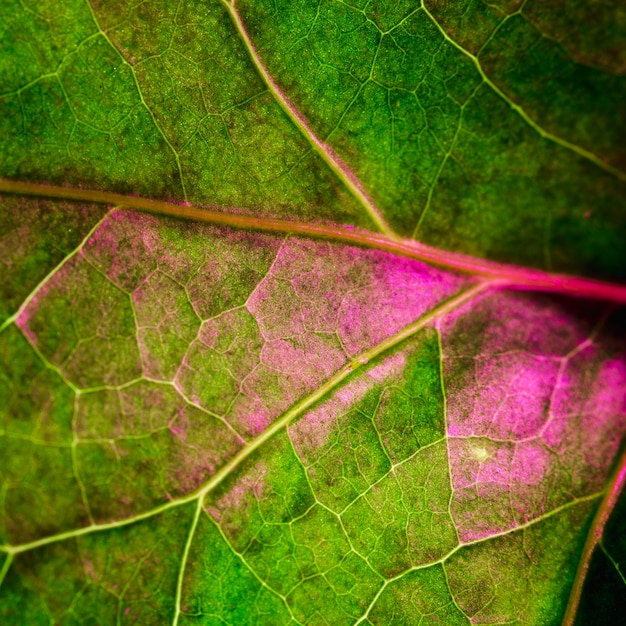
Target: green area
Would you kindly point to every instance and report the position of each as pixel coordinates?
(193, 427)
(156, 99)
(473, 131)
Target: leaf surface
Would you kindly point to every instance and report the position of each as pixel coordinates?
(485, 143)
(602, 596)
(287, 415)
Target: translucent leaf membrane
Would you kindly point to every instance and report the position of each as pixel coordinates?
(205, 425)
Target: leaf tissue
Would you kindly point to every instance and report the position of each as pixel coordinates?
(311, 312)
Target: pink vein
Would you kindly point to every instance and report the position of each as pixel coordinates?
(510, 276)
(613, 491)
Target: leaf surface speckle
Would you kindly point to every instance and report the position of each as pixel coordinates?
(237, 385)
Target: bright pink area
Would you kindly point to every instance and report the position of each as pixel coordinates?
(536, 409)
(389, 368)
(508, 398)
(498, 486)
(318, 305)
(322, 303)
(249, 413)
(363, 295)
(589, 415)
(311, 357)
(531, 464)
(502, 359)
(302, 292)
(397, 292)
(23, 320)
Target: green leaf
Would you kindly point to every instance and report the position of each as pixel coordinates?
(490, 130)
(471, 125)
(320, 400)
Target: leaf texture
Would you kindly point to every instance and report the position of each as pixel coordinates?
(287, 416)
(489, 427)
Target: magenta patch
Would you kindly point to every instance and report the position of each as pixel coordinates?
(536, 410)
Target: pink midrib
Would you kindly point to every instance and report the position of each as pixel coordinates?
(511, 276)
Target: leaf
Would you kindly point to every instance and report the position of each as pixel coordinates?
(468, 120)
(603, 593)
(284, 410)
(502, 143)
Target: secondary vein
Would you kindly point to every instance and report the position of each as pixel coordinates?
(321, 148)
(586, 154)
(295, 411)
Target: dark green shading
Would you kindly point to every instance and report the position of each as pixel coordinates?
(603, 599)
(593, 33)
(511, 196)
(569, 99)
(35, 236)
(524, 576)
(39, 494)
(57, 33)
(552, 57)
(392, 101)
(443, 155)
(124, 576)
(471, 22)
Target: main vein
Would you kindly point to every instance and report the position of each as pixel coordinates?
(512, 276)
